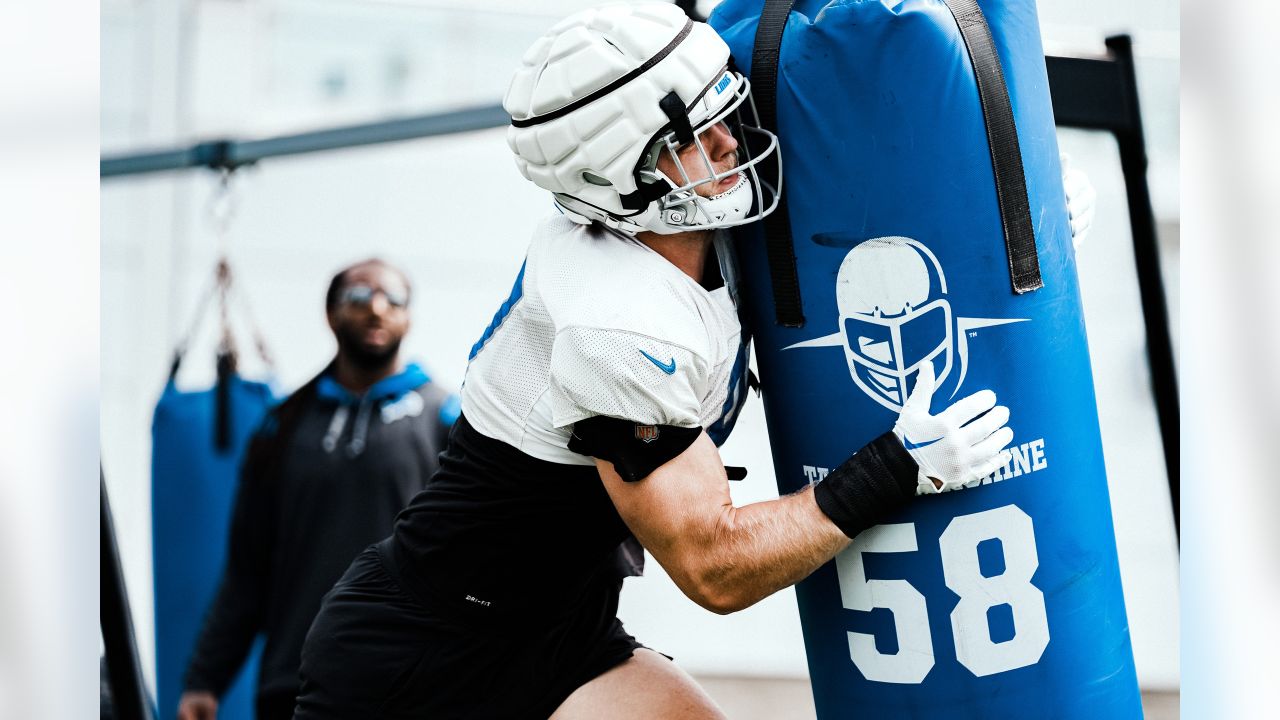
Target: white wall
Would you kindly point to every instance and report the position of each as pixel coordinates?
(455, 213)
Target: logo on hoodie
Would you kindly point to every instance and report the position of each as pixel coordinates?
(409, 405)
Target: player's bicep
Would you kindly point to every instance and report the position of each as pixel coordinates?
(675, 509)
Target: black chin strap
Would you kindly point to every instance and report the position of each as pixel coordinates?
(648, 191)
(675, 111)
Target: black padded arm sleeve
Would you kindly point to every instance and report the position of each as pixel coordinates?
(634, 449)
(875, 481)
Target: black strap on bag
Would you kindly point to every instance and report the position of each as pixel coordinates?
(777, 226)
(1002, 137)
(219, 293)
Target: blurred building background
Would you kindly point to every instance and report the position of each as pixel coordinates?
(455, 212)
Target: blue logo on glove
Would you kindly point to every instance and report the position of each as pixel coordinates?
(668, 368)
(908, 444)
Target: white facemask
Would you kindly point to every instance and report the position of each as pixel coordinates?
(694, 212)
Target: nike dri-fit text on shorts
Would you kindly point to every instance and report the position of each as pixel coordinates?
(375, 651)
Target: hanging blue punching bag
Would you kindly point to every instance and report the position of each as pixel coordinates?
(198, 441)
(923, 228)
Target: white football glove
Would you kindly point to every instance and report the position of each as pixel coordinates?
(1081, 199)
(950, 449)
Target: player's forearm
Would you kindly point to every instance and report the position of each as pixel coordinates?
(748, 553)
(761, 548)
(726, 558)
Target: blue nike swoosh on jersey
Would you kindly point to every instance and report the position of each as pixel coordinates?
(668, 368)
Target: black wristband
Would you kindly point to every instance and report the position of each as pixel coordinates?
(875, 481)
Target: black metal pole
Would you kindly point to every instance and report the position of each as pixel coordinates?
(231, 154)
(124, 671)
(1102, 94)
(1146, 255)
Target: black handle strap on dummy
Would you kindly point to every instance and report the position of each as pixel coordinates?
(222, 429)
(1002, 136)
(777, 226)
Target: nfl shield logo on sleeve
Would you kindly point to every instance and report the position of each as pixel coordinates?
(646, 433)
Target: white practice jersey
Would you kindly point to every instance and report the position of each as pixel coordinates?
(600, 324)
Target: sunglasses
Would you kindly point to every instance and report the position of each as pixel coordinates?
(362, 296)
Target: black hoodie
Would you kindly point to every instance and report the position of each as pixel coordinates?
(322, 479)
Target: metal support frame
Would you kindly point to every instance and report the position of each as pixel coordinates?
(1088, 93)
(1102, 94)
(231, 154)
(129, 697)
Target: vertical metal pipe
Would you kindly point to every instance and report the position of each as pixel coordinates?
(1146, 255)
(124, 671)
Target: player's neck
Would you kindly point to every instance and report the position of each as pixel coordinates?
(687, 250)
(358, 378)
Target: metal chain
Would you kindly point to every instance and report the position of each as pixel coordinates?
(222, 212)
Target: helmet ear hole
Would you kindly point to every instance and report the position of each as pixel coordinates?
(595, 179)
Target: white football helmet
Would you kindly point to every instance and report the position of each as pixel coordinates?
(601, 95)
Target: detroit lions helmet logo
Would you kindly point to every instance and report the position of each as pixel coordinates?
(895, 315)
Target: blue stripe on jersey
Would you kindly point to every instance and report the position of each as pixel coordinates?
(733, 402)
(517, 292)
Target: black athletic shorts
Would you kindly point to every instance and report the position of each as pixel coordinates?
(375, 651)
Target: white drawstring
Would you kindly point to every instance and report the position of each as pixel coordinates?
(360, 430)
(336, 426)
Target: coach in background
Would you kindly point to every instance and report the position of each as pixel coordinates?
(323, 478)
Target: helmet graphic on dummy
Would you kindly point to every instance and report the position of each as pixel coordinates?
(894, 316)
(601, 95)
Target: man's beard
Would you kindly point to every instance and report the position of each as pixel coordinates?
(363, 356)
